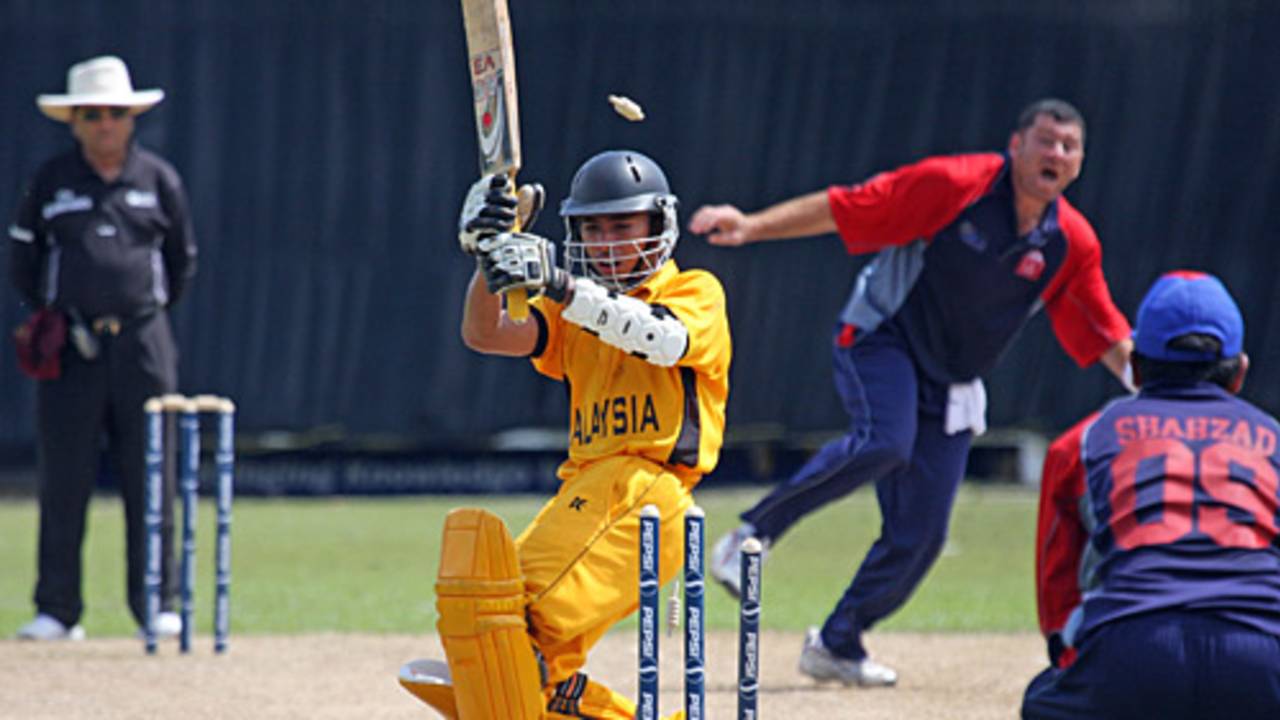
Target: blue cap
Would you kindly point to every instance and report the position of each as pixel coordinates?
(1184, 302)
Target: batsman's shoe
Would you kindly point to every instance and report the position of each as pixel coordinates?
(726, 562)
(430, 682)
(47, 627)
(821, 664)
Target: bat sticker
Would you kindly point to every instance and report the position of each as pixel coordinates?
(491, 116)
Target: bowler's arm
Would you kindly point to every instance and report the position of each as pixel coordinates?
(803, 216)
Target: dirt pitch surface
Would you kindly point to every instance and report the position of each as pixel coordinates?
(954, 676)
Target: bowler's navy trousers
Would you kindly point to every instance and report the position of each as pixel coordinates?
(896, 441)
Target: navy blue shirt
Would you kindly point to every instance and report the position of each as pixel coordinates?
(954, 278)
(1182, 505)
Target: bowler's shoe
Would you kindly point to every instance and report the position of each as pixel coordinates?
(819, 663)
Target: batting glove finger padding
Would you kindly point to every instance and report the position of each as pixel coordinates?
(489, 209)
(650, 332)
(515, 260)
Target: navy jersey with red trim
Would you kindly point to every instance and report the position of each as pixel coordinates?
(954, 278)
(1182, 502)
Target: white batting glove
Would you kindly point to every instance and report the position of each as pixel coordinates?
(512, 261)
(489, 209)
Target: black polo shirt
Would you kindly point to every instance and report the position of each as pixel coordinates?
(120, 248)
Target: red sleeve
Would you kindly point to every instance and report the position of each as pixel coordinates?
(1060, 534)
(1078, 302)
(915, 201)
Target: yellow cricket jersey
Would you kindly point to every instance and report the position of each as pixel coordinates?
(620, 404)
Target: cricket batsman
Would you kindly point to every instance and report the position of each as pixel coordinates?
(643, 348)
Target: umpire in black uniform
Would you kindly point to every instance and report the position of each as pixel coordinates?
(104, 236)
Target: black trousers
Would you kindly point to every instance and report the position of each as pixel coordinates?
(97, 404)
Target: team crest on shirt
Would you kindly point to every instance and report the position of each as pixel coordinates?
(1031, 266)
(969, 236)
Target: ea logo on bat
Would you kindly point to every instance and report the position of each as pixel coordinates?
(483, 63)
(487, 82)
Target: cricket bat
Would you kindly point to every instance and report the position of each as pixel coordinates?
(492, 62)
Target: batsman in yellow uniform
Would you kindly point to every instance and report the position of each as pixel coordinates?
(644, 349)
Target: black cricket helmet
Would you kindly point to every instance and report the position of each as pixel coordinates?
(619, 182)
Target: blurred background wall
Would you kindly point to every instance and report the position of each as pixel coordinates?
(327, 144)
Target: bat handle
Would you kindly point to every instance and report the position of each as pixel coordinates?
(518, 298)
(517, 304)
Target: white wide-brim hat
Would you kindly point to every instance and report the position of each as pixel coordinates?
(98, 81)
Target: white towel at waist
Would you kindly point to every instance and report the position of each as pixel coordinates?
(967, 407)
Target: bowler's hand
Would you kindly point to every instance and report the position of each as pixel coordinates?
(723, 225)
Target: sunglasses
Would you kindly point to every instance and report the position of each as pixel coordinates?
(94, 114)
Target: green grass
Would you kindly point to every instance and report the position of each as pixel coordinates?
(367, 565)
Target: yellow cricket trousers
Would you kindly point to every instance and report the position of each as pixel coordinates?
(580, 559)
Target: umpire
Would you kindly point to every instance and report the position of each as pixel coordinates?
(102, 236)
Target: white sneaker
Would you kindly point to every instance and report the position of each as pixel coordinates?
(726, 562)
(820, 664)
(47, 627)
(168, 624)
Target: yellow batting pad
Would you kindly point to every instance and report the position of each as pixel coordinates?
(430, 682)
(481, 601)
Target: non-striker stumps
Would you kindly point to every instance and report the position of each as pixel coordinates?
(694, 630)
(647, 707)
(224, 466)
(749, 630)
(154, 410)
(188, 411)
(189, 484)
